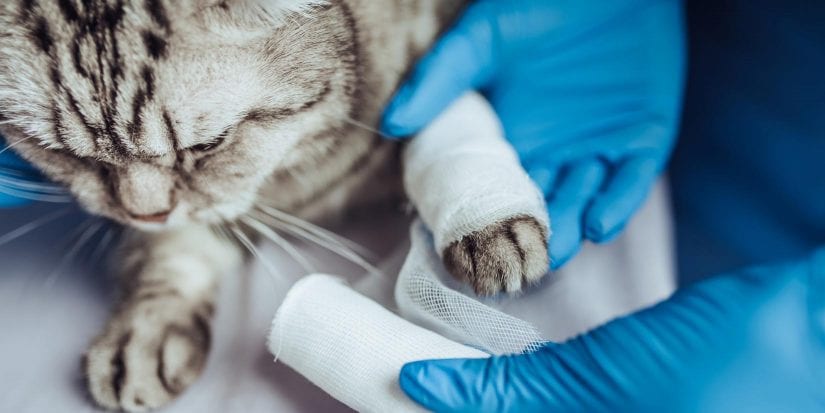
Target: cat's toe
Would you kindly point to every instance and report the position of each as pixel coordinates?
(503, 257)
(144, 359)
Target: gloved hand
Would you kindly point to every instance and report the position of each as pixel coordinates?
(588, 92)
(752, 341)
(16, 179)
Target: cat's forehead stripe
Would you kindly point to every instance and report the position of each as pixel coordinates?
(96, 55)
(156, 45)
(157, 11)
(69, 11)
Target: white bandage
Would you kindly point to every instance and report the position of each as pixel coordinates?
(350, 346)
(462, 175)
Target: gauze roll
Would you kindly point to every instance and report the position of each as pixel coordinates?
(352, 347)
(462, 175)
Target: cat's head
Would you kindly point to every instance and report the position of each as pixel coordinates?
(162, 112)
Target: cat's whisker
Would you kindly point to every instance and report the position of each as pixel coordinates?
(33, 191)
(15, 143)
(81, 241)
(280, 241)
(23, 177)
(298, 178)
(306, 235)
(331, 246)
(33, 225)
(314, 234)
(102, 244)
(315, 229)
(296, 231)
(250, 246)
(364, 126)
(33, 186)
(56, 199)
(223, 231)
(19, 175)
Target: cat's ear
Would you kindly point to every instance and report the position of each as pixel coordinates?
(259, 13)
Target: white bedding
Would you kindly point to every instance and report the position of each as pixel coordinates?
(50, 310)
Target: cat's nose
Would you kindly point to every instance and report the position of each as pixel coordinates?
(158, 218)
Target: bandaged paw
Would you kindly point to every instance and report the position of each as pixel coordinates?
(488, 219)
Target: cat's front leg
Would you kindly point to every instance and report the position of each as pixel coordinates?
(157, 340)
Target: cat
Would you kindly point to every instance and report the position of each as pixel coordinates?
(180, 119)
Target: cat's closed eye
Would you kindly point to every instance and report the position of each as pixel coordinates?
(211, 145)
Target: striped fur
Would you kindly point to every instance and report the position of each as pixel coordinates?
(204, 108)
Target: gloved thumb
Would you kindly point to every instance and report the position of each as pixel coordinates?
(461, 60)
(496, 384)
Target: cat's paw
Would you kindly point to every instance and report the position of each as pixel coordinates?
(149, 353)
(503, 257)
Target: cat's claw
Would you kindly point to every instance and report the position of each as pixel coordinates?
(503, 257)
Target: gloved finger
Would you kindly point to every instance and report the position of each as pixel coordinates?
(566, 207)
(496, 384)
(461, 60)
(623, 195)
(530, 382)
(544, 178)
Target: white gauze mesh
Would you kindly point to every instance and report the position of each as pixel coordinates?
(352, 347)
(428, 296)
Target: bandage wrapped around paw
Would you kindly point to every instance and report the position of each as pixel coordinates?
(462, 175)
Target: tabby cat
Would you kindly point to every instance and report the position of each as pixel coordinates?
(175, 118)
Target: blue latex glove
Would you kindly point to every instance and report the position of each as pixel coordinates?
(588, 93)
(16, 175)
(752, 341)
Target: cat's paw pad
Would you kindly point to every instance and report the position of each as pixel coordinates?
(503, 257)
(149, 353)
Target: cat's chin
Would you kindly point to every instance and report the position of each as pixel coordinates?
(169, 225)
(151, 226)
(179, 220)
